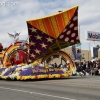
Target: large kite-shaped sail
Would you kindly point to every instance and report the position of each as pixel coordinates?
(52, 33)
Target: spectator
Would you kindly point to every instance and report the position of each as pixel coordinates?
(1, 47)
(55, 65)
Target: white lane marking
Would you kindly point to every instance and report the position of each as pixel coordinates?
(37, 93)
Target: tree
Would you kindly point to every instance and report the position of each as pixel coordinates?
(98, 46)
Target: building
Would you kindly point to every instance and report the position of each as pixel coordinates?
(85, 53)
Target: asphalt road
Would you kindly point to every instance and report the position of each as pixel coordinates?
(73, 88)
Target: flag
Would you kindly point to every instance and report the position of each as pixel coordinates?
(73, 52)
(39, 42)
(78, 56)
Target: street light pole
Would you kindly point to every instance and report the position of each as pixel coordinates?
(89, 52)
(79, 38)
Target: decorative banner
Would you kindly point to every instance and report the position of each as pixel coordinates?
(78, 56)
(74, 52)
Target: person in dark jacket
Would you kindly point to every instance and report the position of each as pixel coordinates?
(1, 47)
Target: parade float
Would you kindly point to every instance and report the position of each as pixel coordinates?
(35, 58)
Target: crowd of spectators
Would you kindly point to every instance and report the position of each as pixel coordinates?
(88, 67)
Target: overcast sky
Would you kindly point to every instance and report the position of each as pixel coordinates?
(14, 13)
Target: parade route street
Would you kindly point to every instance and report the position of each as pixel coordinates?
(72, 88)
